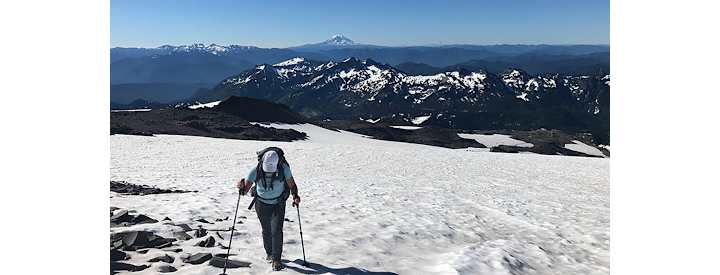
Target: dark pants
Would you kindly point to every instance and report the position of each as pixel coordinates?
(271, 218)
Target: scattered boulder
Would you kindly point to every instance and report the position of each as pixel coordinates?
(117, 255)
(123, 217)
(200, 232)
(118, 266)
(164, 258)
(209, 242)
(166, 269)
(116, 244)
(204, 221)
(219, 262)
(120, 216)
(198, 258)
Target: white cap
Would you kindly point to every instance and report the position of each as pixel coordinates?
(270, 161)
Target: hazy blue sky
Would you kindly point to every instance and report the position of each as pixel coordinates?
(151, 23)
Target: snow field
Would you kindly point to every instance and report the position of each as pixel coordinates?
(383, 206)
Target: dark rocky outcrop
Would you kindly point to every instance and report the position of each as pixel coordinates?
(230, 119)
(429, 136)
(135, 189)
(258, 110)
(546, 142)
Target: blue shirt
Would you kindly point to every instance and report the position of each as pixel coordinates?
(274, 188)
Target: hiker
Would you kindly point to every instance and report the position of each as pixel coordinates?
(271, 183)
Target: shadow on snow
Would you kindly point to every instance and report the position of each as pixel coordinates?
(315, 268)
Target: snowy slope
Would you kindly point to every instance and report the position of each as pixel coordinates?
(496, 140)
(383, 206)
(578, 146)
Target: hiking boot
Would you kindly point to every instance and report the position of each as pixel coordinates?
(277, 265)
(268, 259)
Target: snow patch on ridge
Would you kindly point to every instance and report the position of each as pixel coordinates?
(495, 140)
(204, 105)
(578, 146)
(293, 61)
(419, 120)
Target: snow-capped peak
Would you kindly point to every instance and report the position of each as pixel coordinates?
(339, 40)
(289, 62)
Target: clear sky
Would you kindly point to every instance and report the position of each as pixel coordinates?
(275, 23)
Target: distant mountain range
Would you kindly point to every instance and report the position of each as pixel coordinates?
(477, 99)
(201, 63)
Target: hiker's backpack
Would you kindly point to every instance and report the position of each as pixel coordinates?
(279, 172)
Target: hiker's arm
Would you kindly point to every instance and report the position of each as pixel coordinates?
(294, 191)
(293, 186)
(244, 185)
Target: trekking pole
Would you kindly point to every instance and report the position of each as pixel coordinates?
(232, 230)
(302, 243)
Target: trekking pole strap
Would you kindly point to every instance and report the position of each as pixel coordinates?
(252, 203)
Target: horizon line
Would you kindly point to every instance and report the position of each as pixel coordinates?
(376, 45)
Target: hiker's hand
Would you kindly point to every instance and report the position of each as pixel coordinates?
(241, 187)
(296, 201)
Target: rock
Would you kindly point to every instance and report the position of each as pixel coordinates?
(240, 222)
(116, 244)
(181, 236)
(176, 250)
(120, 216)
(219, 262)
(165, 258)
(142, 251)
(209, 242)
(167, 219)
(198, 258)
(242, 217)
(204, 221)
(200, 232)
(134, 240)
(118, 266)
(223, 219)
(288, 220)
(117, 255)
(142, 219)
(166, 269)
